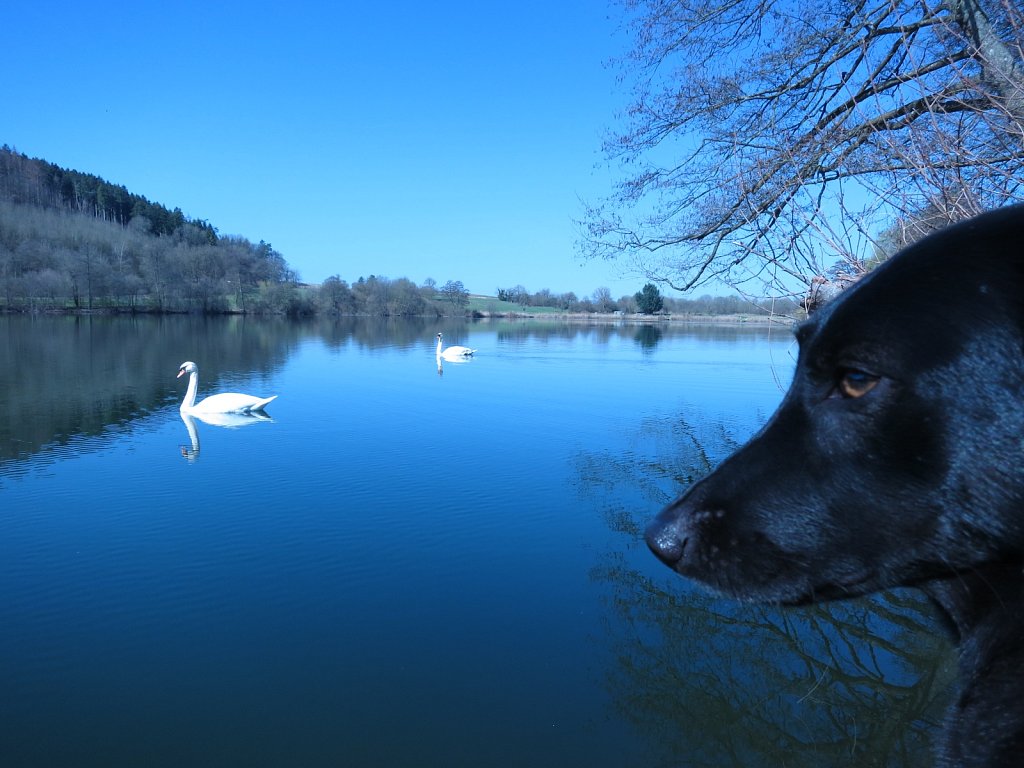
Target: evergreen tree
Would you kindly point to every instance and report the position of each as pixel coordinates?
(649, 300)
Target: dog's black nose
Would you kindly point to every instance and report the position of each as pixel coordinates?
(666, 540)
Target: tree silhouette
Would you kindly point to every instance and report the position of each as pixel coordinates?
(455, 292)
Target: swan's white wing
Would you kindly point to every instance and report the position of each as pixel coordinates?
(236, 419)
(231, 402)
(457, 352)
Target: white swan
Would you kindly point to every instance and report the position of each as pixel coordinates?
(453, 352)
(226, 402)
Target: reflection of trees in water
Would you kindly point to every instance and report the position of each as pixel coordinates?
(69, 376)
(648, 336)
(713, 682)
(379, 332)
(641, 332)
(374, 332)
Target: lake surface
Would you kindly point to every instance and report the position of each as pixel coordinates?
(407, 565)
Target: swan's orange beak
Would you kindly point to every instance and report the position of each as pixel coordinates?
(180, 373)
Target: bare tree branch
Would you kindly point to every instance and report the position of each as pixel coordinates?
(777, 141)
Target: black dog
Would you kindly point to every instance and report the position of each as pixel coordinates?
(895, 458)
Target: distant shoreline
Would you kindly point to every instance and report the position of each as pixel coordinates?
(576, 317)
(696, 319)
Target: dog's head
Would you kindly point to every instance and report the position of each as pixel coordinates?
(896, 455)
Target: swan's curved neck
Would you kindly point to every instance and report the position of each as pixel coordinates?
(190, 393)
(439, 345)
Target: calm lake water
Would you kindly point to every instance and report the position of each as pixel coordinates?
(407, 565)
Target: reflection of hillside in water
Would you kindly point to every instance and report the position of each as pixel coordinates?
(713, 682)
(68, 377)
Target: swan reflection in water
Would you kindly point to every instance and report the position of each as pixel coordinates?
(229, 420)
(456, 361)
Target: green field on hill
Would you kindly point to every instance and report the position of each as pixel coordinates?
(479, 303)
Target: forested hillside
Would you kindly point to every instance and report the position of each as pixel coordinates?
(70, 240)
(73, 242)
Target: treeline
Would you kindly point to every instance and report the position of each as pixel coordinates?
(601, 301)
(54, 259)
(383, 297)
(731, 305)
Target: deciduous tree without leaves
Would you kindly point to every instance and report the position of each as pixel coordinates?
(773, 140)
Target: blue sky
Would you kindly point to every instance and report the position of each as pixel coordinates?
(452, 139)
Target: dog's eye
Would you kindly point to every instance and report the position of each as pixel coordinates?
(854, 383)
